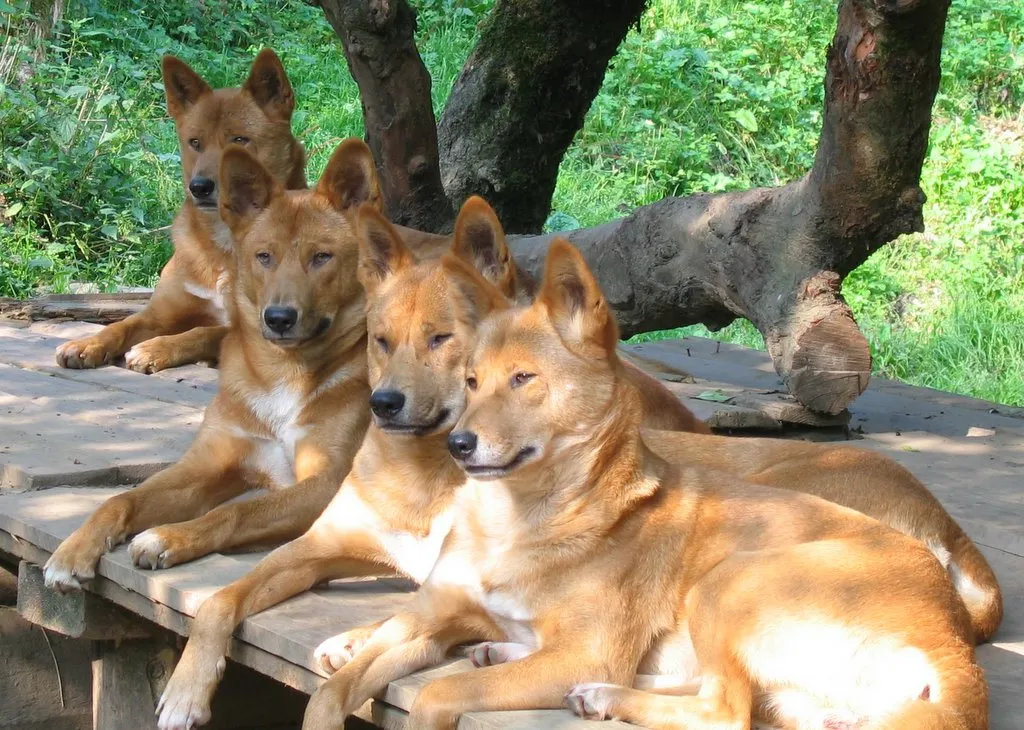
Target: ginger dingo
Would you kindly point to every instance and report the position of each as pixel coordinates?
(592, 551)
(186, 318)
(291, 408)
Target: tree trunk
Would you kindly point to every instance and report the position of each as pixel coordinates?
(521, 98)
(777, 255)
(378, 38)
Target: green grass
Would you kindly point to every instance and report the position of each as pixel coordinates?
(705, 95)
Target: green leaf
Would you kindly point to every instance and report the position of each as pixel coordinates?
(559, 221)
(746, 119)
(109, 231)
(716, 395)
(14, 209)
(976, 165)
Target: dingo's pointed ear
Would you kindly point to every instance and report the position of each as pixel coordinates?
(381, 251)
(350, 179)
(574, 300)
(481, 296)
(480, 242)
(269, 87)
(246, 188)
(182, 86)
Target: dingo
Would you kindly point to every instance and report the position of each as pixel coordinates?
(186, 319)
(291, 408)
(592, 551)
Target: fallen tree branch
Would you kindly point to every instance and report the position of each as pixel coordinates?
(777, 256)
(97, 308)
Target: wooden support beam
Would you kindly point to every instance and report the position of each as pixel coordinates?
(78, 614)
(127, 679)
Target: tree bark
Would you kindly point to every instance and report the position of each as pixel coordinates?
(522, 96)
(379, 44)
(777, 255)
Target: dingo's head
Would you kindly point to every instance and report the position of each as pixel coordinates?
(256, 116)
(541, 377)
(422, 318)
(296, 251)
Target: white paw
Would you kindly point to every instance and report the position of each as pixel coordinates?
(592, 701)
(185, 703)
(141, 360)
(490, 653)
(133, 358)
(337, 651)
(62, 577)
(148, 550)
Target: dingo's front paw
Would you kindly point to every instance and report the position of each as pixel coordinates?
(337, 651)
(185, 703)
(152, 355)
(490, 653)
(160, 547)
(87, 352)
(71, 565)
(592, 701)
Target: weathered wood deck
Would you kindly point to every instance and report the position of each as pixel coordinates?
(69, 438)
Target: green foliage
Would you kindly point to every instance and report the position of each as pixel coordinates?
(703, 96)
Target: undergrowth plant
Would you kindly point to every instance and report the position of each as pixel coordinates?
(706, 95)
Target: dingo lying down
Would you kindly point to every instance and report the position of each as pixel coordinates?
(291, 408)
(591, 551)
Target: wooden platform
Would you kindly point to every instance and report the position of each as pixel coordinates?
(115, 426)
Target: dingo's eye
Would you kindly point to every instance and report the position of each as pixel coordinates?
(437, 340)
(264, 258)
(320, 258)
(382, 343)
(522, 379)
(239, 140)
(194, 143)
(471, 382)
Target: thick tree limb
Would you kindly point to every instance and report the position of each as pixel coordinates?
(521, 98)
(777, 256)
(377, 36)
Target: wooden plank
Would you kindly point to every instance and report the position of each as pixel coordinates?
(98, 308)
(977, 480)
(290, 631)
(77, 614)
(192, 386)
(122, 698)
(56, 431)
(393, 718)
(291, 675)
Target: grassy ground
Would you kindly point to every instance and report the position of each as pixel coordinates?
(705, 95)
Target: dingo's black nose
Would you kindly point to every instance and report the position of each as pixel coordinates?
(462, 444)
(386, 403)
(201, 187)
(280, 319)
